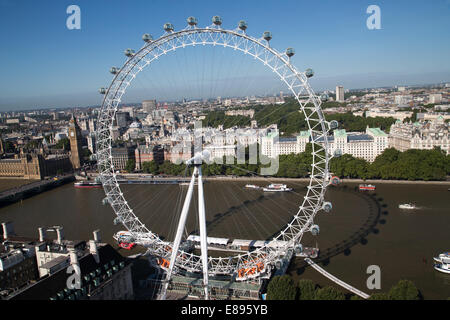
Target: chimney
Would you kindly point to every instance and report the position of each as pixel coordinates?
(97, 235)
(8, 229)
(73, 257)
(60, 234)
(93, 250)
(41, 234)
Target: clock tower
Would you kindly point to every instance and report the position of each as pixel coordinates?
(75, 143)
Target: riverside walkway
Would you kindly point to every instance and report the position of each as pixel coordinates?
(27, 190)
(336, 280)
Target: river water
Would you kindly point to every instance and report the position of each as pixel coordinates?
(363, 229)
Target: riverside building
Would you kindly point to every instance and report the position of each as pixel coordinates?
(366, 145)
(39, 269)
(420, 135)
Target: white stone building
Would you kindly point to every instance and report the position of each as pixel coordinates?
(420, 135)
(366, 145)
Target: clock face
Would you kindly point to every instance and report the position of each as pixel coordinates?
(71, 134)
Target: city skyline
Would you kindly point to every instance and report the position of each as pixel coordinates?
(66, 67)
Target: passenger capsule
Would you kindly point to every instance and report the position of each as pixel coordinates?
(102, 90)
(315, 230)
(114, 70)
(278, 264)
(105, 201)
(147, 37)
(93, 157)
(324, 97)
(242, 25)
(290, 52)
(299, 249)
(192, 21)
(168, 27)
(309, 73)
(327, 206)
(335, 180)
(129, 53)
(333, 124)
(267, 35)
(117, 221)
(217, 20)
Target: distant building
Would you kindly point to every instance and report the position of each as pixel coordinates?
(148, 153)
(220, 151)
(92, 125)
(403, 99)
(435, 98)
(340, 94)
(148, 106)
(245, 112)
(120, 157)
(273, 146)
(179, 153)
(433, 116)
(420, 135)
(399, 115)
(366, 145)
(122, 119)
(35, 166)
(91, 143)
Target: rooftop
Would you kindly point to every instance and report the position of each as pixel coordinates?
(377, 132)
(341, 133)
(50, 286)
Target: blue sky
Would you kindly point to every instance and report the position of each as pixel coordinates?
(45, 64)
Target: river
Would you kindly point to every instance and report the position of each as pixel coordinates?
(362, 229)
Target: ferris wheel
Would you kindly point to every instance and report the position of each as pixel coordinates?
(260, 262)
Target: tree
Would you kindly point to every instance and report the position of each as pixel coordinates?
(150, 167)
(281, 288)
(130, 166)
(329, 293)
(86, 153)
(64, 144)
(9, 147)
(404, 290)
(306, 289)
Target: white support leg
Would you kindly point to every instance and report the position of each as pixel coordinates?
(181, 225)
(203, 235)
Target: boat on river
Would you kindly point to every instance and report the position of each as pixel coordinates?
(407, 206)
(443, 262)
(276, 187)
(366, 187)
(87, 184)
